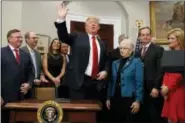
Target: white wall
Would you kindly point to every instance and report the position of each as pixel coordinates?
(85, 9)
(11, 17)
(39, 16)
(40, 19)
(137, 10)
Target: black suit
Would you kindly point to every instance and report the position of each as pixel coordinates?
(115, 54)
(14, 74)
(79, 57)
(152, 73)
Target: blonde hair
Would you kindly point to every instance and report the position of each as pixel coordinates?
(179, 34)
(93, 17)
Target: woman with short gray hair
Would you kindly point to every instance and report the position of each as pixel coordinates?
(125, 90)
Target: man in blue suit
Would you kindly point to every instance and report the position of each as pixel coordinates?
(16, 71)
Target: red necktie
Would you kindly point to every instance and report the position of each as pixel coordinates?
(17, 55)
(95, 58)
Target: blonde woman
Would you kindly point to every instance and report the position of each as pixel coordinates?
(172, 88)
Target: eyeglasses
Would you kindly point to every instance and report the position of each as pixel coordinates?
(18, 37)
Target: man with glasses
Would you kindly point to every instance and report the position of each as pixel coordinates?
(16, 72)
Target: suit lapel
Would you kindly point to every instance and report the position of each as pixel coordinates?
(127, 63)
(21, 57)
(11, 55)
(27, 50)
(148, 50)
(117, 65)
(101, 48)
(87, 43)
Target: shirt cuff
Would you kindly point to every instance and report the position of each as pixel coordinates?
(60, 20)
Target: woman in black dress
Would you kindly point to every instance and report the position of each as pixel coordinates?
(54, 65)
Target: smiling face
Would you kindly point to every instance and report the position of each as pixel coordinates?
(126, 48)
(176, 39)
(56, 45)
(15, 39)
(32, 39)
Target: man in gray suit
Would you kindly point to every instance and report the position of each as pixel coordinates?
(31, 42)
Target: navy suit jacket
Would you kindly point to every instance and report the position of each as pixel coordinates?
(131, 79)
(14, 74)
(79, 57)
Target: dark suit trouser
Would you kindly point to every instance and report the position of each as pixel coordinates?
(5, 115)
(92, 90)
(63, 92)
(152, 109)
(89, 90)
(120, 111)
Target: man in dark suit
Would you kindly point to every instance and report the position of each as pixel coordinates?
(16, 71)
(87, 64)
(115, 53)
(31, 42)
(151, 56)
(65, 51)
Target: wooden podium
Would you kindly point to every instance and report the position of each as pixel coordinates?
(83, 111)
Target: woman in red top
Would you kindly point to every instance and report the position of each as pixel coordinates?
(172, 88)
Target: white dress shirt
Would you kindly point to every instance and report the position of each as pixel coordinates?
(13, 49)
(146, 46)
(90, 64)
(33, 57)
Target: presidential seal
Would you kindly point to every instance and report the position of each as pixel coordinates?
(50, 112)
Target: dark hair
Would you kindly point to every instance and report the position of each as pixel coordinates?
(50, 47)
(11, 32)
(146, 27)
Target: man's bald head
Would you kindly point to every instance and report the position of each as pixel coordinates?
(31, 39)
